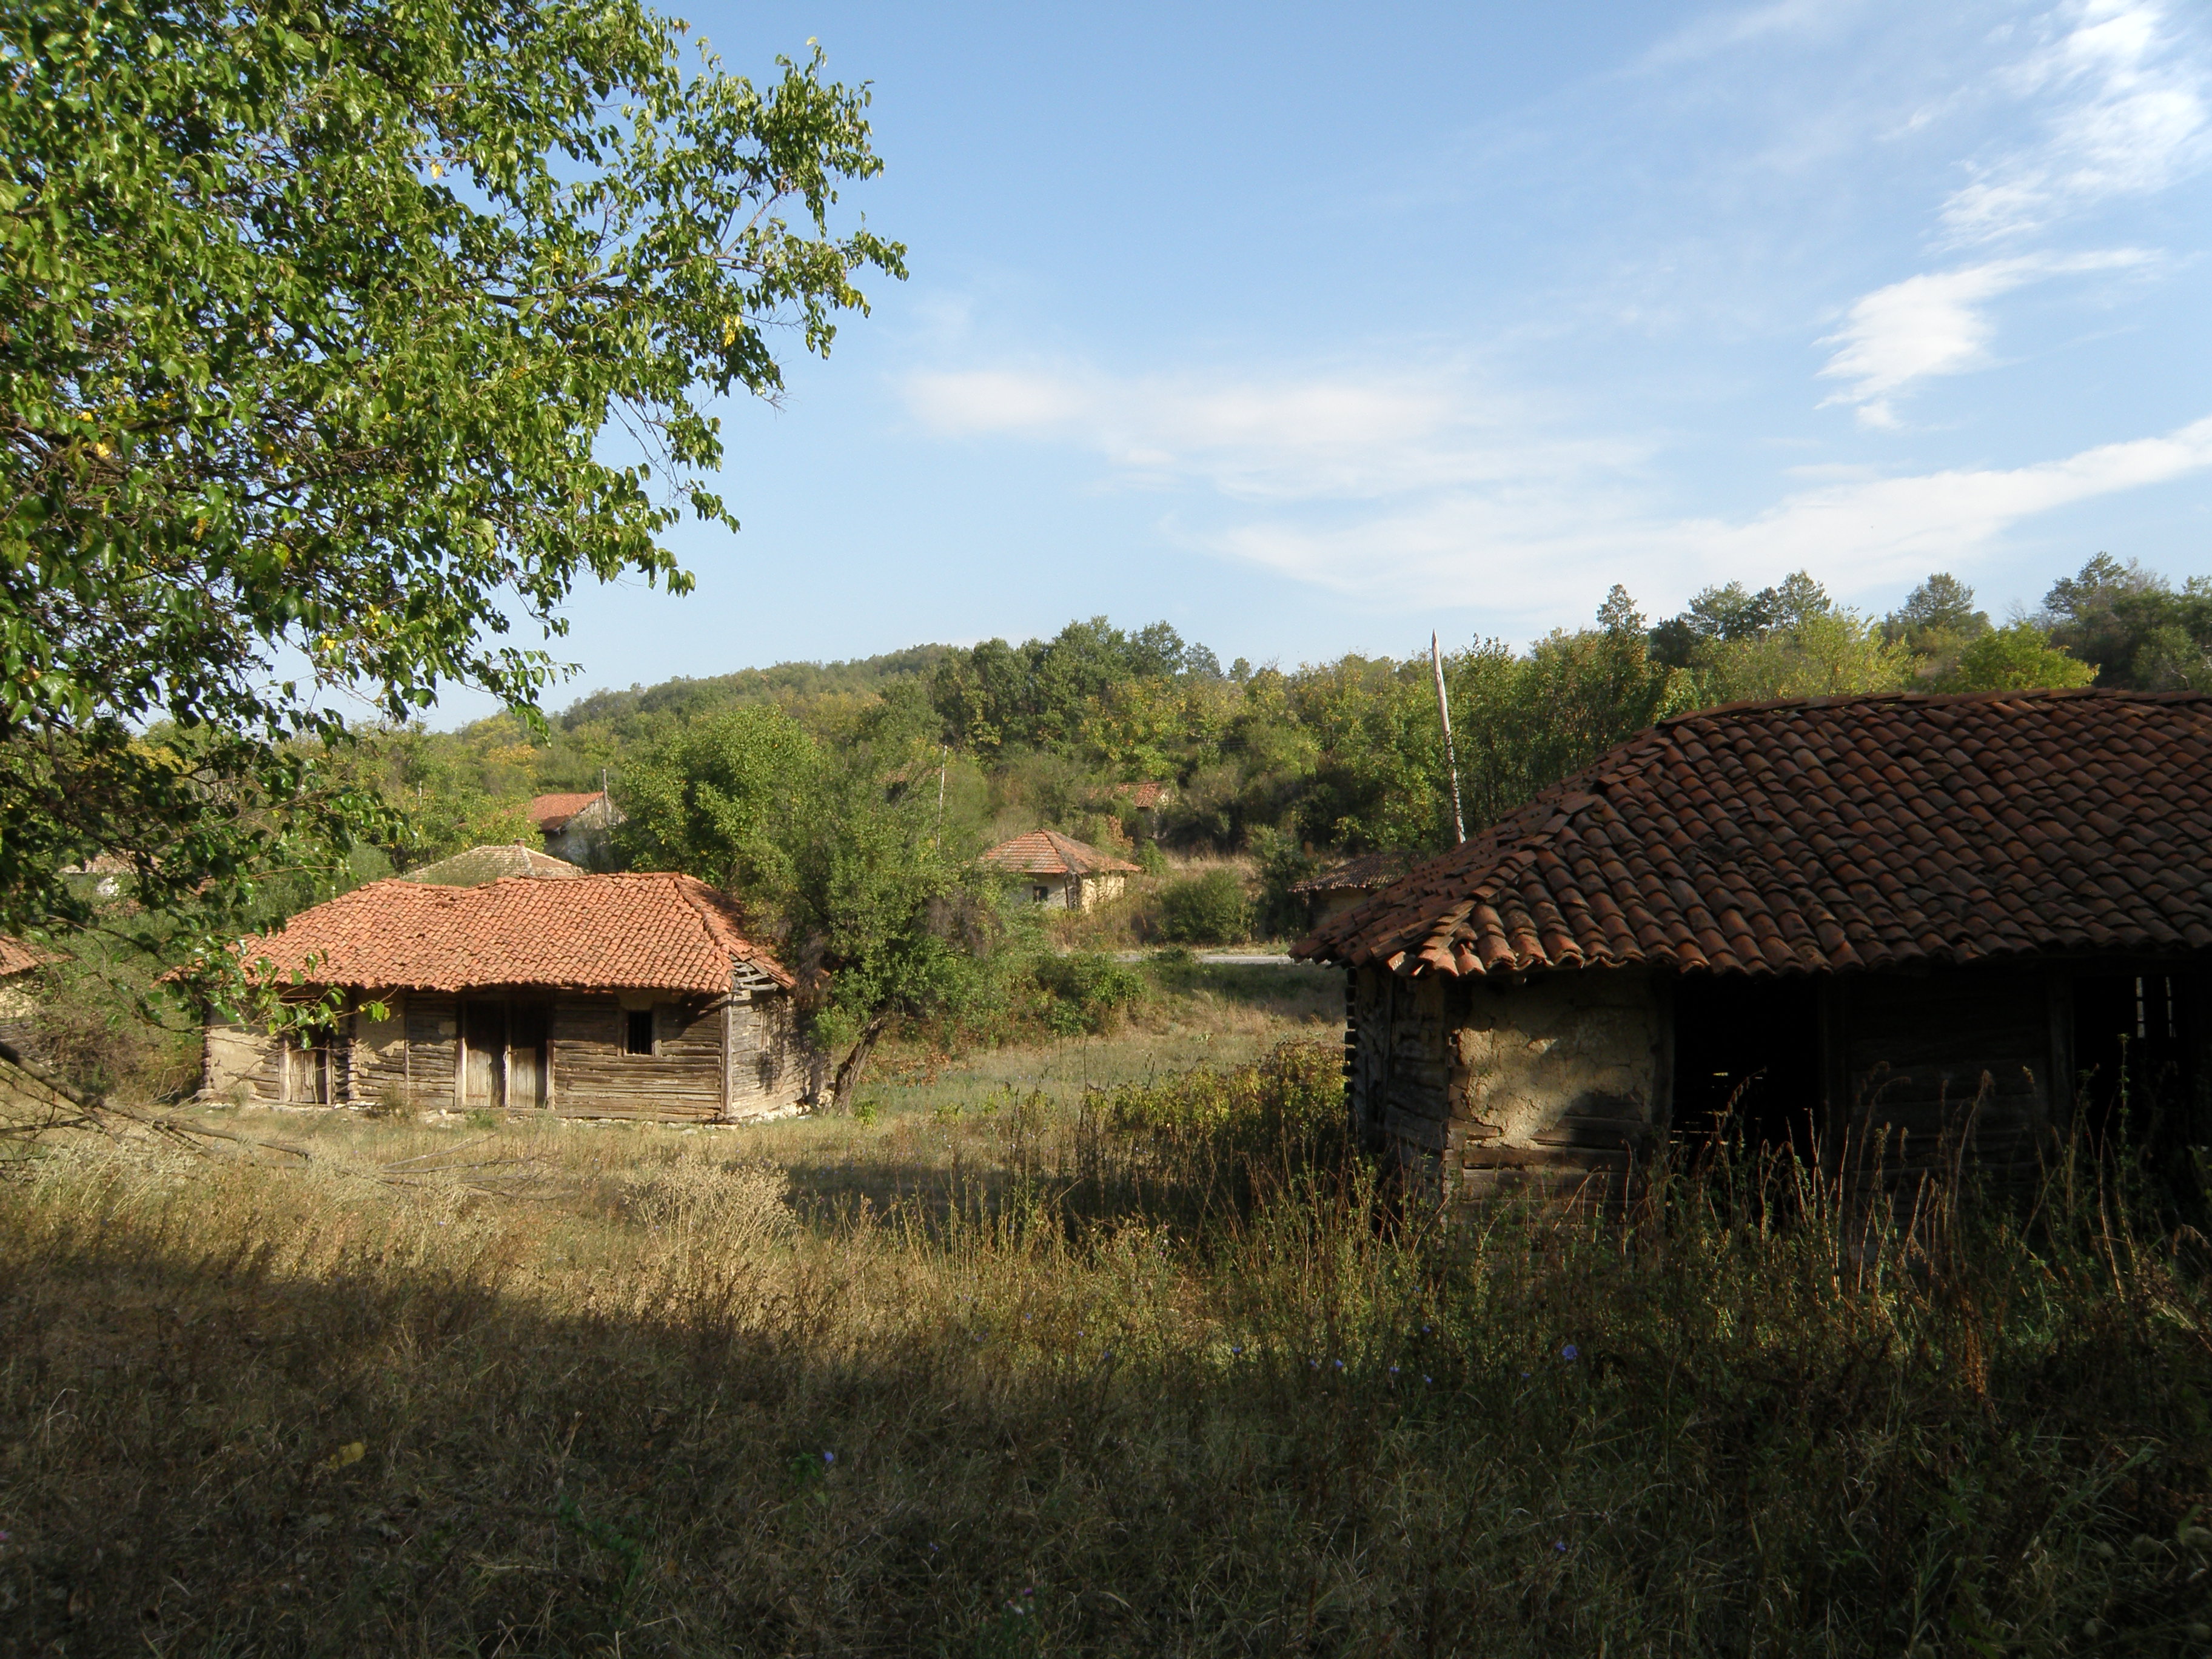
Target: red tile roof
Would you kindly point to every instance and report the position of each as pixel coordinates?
(1049, 853)
(1839, 833)
(17, 958)
(659, 933)
(551, 811)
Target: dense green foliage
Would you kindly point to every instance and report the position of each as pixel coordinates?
(316, 316)
(1288, 765)
(1205, 909)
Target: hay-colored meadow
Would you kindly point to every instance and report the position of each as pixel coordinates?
(1154, 1369)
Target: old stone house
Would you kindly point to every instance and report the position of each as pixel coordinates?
(1910, 922)
(596, 996)
(19, 1002)
(1057, 869)
(576, 827)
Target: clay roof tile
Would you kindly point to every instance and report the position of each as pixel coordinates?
(1837, 832)
(662, 933)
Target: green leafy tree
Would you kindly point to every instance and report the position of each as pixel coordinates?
(721, 799)
(2019, 657)
(2136, 629)
(338, 332)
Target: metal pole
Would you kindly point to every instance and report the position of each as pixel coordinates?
(1451, 763)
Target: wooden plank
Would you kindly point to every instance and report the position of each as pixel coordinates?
(1587, 1159)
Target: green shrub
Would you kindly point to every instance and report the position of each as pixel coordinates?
(1283, 862)
(1207, 909)
(1086, 991)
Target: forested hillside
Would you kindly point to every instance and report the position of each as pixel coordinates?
(1337, 756)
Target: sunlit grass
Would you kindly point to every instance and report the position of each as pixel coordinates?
(1151, 1369)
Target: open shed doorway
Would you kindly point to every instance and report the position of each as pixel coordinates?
(2133, 1054)
(1747, 1064)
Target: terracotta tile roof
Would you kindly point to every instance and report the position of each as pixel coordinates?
(479, 864)
(660, 932)
(1368, 871)
(18, 958)
(1839, 833)
(1049, 853)
(551, 811)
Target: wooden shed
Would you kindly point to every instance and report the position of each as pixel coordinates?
(1331, 891)
(1057, 869)
(593, 996)
(1833, 924)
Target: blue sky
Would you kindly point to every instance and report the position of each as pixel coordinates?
(1312, 329)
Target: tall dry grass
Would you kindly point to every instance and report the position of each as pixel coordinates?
(1161, 1372)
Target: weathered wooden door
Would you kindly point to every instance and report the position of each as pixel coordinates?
(527, 1072)
(484, 1039)
(307, 1071)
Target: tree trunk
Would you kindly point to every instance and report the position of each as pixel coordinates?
(849, 1068)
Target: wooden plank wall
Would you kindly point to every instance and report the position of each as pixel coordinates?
(742, 1054)
(238, 1063)
(432, 1021)
(1967, 1051)
(593, 1078)
(1398, 1087)
(768, 1062)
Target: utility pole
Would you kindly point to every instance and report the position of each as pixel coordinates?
(1451, 762)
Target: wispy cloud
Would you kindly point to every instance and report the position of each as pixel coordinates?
(1371, 485)
(1937, 324)
(1347, 437)
(1515, 553)
(1727, 30)
(2127, 113)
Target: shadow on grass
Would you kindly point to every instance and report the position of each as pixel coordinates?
(265, 1411)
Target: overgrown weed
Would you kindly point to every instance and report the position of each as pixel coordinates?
(1168, 1371)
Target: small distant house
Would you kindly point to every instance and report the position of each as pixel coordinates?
(18, 1002)
(1057, 869)
(576, 826)
(1150, 798)
(1331, 891)
(1940, 930)
(480, 865)
(593, 996)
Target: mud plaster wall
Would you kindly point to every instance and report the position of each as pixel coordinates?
(1483, 1088)
(1529, 1057)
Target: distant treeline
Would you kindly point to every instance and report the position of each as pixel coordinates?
(1344, 756)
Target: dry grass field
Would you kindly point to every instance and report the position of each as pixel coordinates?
(1021, 1368)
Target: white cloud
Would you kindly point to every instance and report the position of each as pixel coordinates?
(1372, 483)
(1515, 552)
(1324, 437)
(2128, 115)
(1935, 324)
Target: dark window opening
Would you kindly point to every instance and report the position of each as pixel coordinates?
(1746, 1063)
(637, 1037)
(1043, 894)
